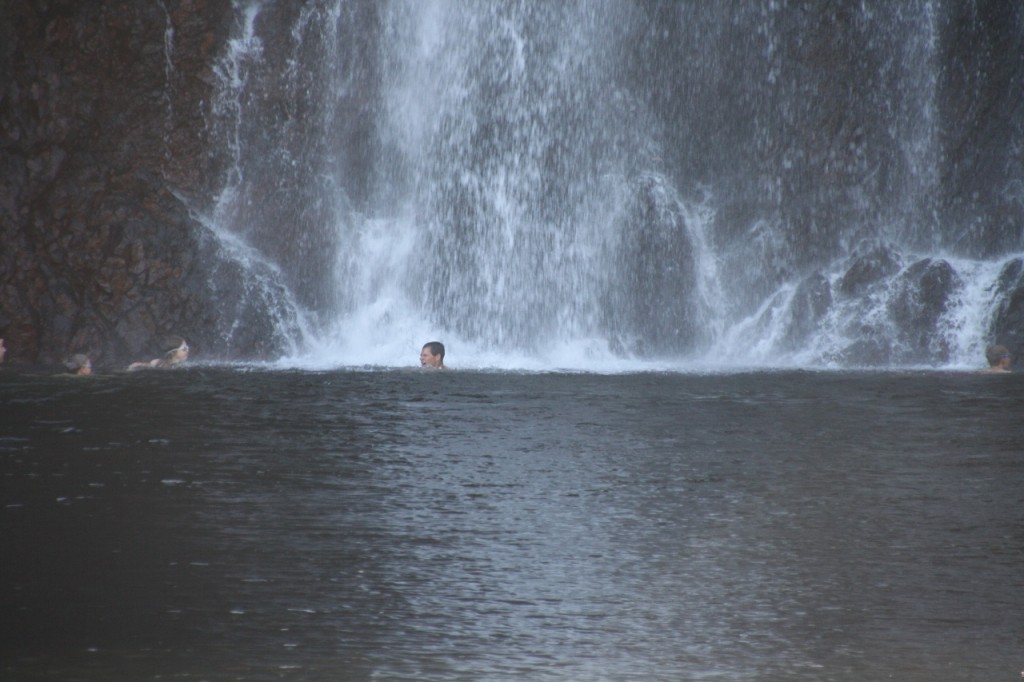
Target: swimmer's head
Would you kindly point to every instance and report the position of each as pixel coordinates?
(996, 355)
(78, 364)
(432, 354)
(175, 349)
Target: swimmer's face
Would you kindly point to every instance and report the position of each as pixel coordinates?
(179, 354)
(428, 359)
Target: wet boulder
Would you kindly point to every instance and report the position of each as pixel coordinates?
(873, 350)
(1008, 322)
(810, 303)
(103, 144)
(879, 263)
(657, 274)
(251, 295)
(921, 296)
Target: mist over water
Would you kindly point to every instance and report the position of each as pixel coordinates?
(603, 185)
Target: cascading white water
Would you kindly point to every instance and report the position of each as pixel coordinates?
(520, 171)
(599, 184)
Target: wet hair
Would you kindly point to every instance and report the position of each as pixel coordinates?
(171, 344)
(436, 348)
(996, 353)
(76, 362)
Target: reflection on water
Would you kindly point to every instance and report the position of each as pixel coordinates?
(218, 523)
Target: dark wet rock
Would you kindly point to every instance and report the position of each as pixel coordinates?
(101, 138)
(107, 151)
(880, 262)
(811, 302)
(657, 273)
(922, 294)
(980, 46)
(251, 297)
(1008, 323)
(870, 351)
(900, 321)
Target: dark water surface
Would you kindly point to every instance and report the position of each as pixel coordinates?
(218, 524)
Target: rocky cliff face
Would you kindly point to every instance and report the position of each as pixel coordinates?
(101, 144)
(107, 150)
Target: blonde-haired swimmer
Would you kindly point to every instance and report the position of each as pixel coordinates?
(79, 364)
(175, 353)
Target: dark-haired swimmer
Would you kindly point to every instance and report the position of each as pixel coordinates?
(432, 355)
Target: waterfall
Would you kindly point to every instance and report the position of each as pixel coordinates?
(608, 183)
